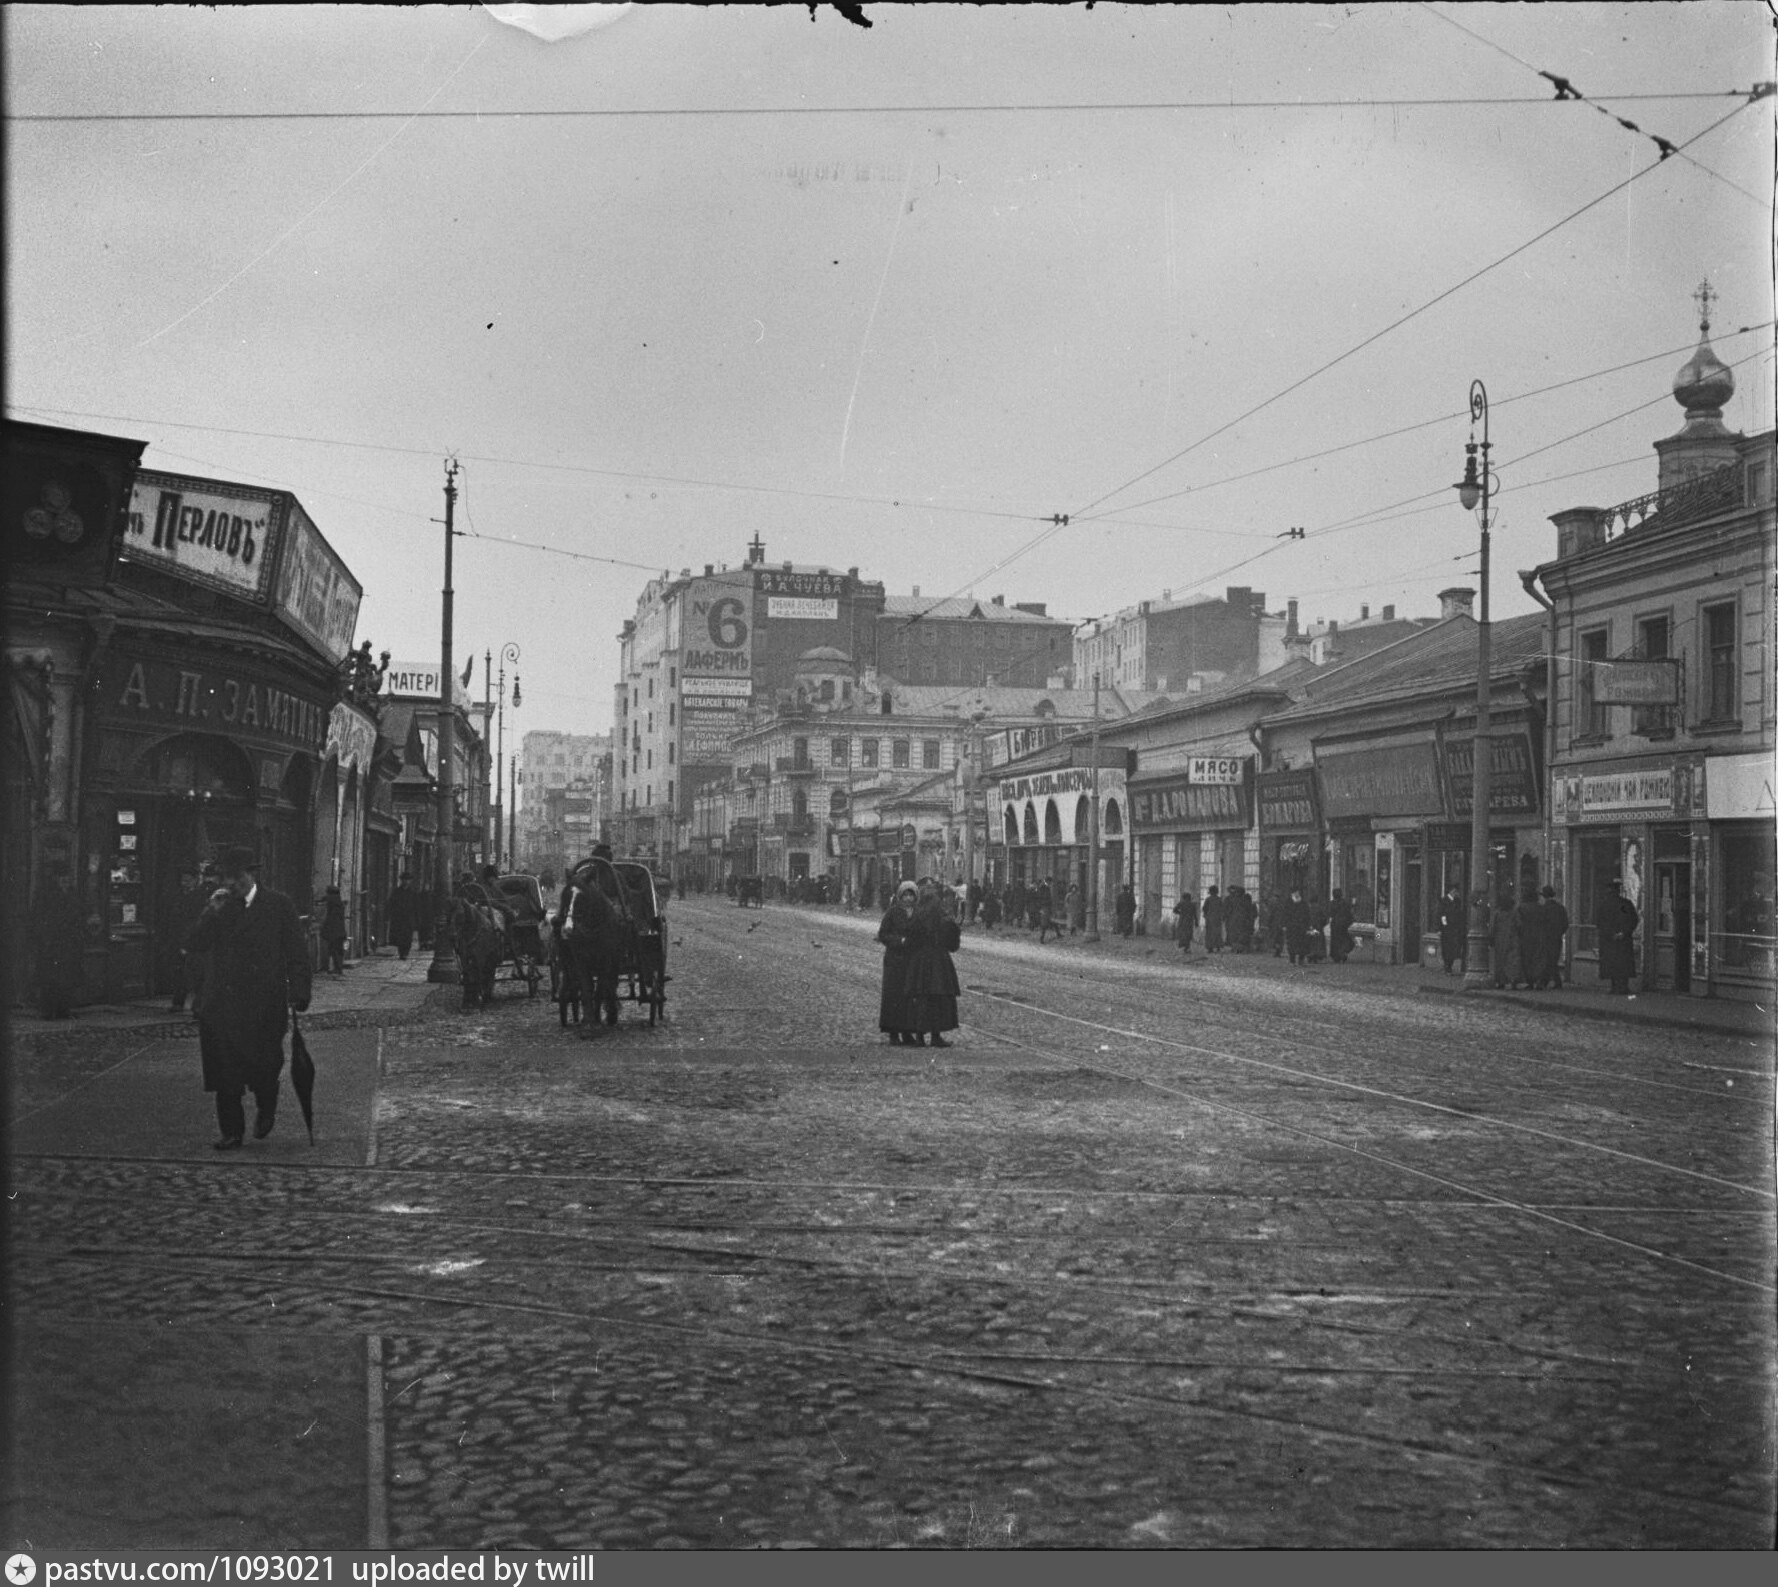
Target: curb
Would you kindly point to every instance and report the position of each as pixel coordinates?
(1555, 1005)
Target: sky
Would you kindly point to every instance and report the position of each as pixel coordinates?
(896, 297)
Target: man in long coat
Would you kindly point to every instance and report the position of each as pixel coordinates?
(258, 972)
(1453, 930)
(404, 911)
(1213, 919)
(1617, 938)
(1552, 940)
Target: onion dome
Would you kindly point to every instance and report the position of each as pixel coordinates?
(1704, 382)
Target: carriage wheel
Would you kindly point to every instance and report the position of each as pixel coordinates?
(657, 994)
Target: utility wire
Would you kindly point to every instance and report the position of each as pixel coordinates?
(1565, 90)
(1081, 513)
(608, 113)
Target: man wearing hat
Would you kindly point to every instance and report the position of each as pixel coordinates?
(259, 971)
(1552, 939)
(1617, 937)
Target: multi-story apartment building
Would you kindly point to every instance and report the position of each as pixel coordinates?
(549, 763)
(698, 654)
(960, 640)
(1182, 646)
(1663, 708)
(813, 773)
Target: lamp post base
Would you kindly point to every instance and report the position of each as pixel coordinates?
(1477, 972)
(444, 953)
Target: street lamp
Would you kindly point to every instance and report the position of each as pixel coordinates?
(507, 653)
(1473, 490)
(444, 959)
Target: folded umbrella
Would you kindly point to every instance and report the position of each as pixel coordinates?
(302, 1075)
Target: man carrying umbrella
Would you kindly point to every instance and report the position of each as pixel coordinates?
(259, 971)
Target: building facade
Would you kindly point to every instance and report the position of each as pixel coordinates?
(1663, 723)
(960, 640)
(1181, 646)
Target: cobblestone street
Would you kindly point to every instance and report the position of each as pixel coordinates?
(1217, 1254)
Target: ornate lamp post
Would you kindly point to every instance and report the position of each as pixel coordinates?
(1475, 490)
(444, 958)
(507, 653)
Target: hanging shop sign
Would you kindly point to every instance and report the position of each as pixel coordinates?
(1512, 789)
(718, 631)
(235, 702)
(217, 535)
(315, 592)
(65, 496)
(1401, 780)
(1012, 742)
(1636, 682)
(351, 735)
(418, 680)
(1286, 801)
(1177, 804)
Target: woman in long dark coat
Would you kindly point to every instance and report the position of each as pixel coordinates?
(1453, 929)
(1503, 933)
(931, 988)
(1214, 911)
(1185, 922)
(893, 1015)
(1339, 920)
(404, 909)
(1617, 938)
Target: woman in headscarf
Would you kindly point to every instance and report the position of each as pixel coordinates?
(931, 976)
(892, 1010)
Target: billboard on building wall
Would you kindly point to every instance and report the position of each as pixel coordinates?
(316, 593)
(717, 630)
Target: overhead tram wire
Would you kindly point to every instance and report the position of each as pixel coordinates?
(1084, 514)
(580, 113)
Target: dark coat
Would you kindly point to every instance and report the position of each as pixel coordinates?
(893, 1013)
(1126, 909)
(1243, 913)
(1617, 923)
(1532, 953)
(1507, 945)
(1214, 912)
(404, 914)
(1339, 920)
(258, 972)
(1296, 916)
(1453, 927)
(1552, 939)
(333, 918)
(931, 987)
(1185, 921)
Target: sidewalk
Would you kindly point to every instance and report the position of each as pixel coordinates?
(1720, 1016)
(381, 986)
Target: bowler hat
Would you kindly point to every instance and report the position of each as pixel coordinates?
(238, 859)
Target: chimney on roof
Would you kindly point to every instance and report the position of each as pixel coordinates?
(1389, 614)
(1364, 614)
(1240, 597)
(1259, 603)
(709, 568)
(851, 573)
(916, 592)
(1333, 626)
(1458, 601)
(1035, 608)
(1290, 627)
(788, 566)
(1000, 600)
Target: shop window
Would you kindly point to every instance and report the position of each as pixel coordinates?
(1358, 872)
(867, 750)
(1653, 638)
(929, 753)
(1596, 862)
(1722, 703)
(899, 753)
(1746, 941)
(1591, 719)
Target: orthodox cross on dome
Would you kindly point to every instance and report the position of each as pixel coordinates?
(1704, 297)
(756, 548)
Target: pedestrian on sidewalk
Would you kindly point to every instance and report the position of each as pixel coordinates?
(333, 930)
(60, 930)
(1215, 913)
(1077, 910)
(1506, 944)
(1453, 930)
(893, 1016)
(1272, 924)
(404, 910)
(931, 987)
(990, 908)
(1185, 923)
(1552, 940)
(1126, 911)
(1046, 915)
(1617, 921)
(1296, 916)
(184, 915)
(259, 971)
(1528, 917)
(1339, 920)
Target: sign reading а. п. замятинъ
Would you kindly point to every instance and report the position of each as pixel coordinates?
(219, 535)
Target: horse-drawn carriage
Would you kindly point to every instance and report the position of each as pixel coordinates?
(495, 924)
(608, 942)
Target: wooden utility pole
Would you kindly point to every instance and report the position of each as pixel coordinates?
(444, 958)
(1093, 851)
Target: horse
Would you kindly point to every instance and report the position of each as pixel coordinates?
(480, 935)
(595, 933)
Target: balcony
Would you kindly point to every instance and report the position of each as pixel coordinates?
(1717, 491)
(799, 826)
